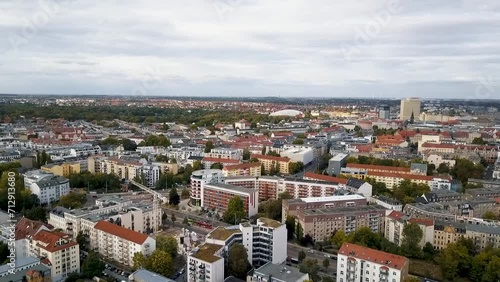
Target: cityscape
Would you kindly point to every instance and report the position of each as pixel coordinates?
(249, 141)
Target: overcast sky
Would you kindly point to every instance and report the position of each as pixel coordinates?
(323, 48)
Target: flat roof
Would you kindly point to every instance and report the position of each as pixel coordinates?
(339, 157)
(335, 210)
(143, 275)
(222, 233)
(231, 187)
(279, 271)
(206, 252)
(333, 198)
(269, 222)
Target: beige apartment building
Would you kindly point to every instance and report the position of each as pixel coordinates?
(270, 161)
(410, 106)
(63, 169)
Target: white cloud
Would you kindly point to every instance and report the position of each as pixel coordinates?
(254, 47)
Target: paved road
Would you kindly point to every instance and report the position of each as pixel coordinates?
(488, 173)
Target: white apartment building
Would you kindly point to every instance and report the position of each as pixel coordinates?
(224, 153)
(149, 173)
(47, 186)
(59, 248)
(140, 217)
(386, 202)
(205, 263)
(125, 169)
(199, 179)
(358, 264)
(119, 243)
(395, 222)
(24, 230)
(296, 153)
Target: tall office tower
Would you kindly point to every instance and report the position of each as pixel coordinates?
(409, 106)
(384, 112)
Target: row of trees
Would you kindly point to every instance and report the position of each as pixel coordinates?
(98, 182)
(128, 145)
(155, 140)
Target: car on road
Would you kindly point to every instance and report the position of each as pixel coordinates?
(182, 271)
(327, 256)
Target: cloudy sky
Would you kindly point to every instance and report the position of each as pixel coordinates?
(302, 48)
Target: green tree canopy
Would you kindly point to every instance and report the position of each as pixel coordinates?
(92, 266)
(238, 264)
(209, 146)
(246, 154)
(155, 140)
(160, 262)
(167, 244)
(235, 211)
(72, 200)
(412, 234)
(216, 166)
(173, 197)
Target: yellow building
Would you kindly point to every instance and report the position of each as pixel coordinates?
(247, 169)
(270, 161)
(63, 169)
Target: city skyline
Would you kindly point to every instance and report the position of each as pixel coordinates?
(221, 48)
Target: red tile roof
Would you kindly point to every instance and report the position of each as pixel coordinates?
(122, 232)
(422, 221)
(282, 133)
(27, 227)
(272, 158)
(367, 254)
(241, 166)
(396, 215)
(379, 167)
(50, 241)
(326, 178)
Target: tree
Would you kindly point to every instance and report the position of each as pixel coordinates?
(4, 252)
(197, 165)
(128, 145)
(185, 221)
(235, 211)
(173, 218)
(139, 260)
(299, 232)
(209, 146)
(216, 166)
(310, 266)
(465, 169)
(490, 215)
(326, 263)
(160, 262)
(173, 197)
(339, 238)
(263, 152)
(430, 169)
(492, 270)
(81, 240)
(165, 127)
(478, 141)
(185, 194)
(302, 256)
(298, 141)
(290, 226)
(407, 191)
(412, 234)
(246, 154)
(155, 140)
(443, 168)
(428, 251)
(453, 260)
(92, 266)
(37, 213)
(167, 244)
(295, 167)
(273, 153)
(412, 118)
(238, 264)
(72, 200)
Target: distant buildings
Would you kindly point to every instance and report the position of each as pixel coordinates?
(47, 186)
(384, 112)
(410, 107)
(358, 263)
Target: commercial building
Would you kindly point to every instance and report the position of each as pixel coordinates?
(410, 107)
(322, 223)
(271, 161)
(119, 243)
(47, 186)
(292, 206)
(384, 112)
(264, 243)
(358, 263)
(336, 163)
(297, 154)
(59, 248)
(217, 196)
(199, 179)
(246, 169)
(277, 273)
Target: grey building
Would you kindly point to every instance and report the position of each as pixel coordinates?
(277, 273)
(384, 112)
(336, 163)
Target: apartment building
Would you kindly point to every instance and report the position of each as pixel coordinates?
(224, 153)
(272, 161)
(483, 234)
(358, 263)
(149, 174)
(119, 243)
(246, 169)
(263, 241)
(336, 163)
(140, 217)
(489, 153)
(395, 222)
(322, 223)
(59, 248)
(217, 196)
(277, 273)
(452, 210)
(47, 186)
(63, 169)
(26, 270)
(25, 230)
(199, 179)
(126, 169)
(205, 263)
(292, 206)
(386, 202)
